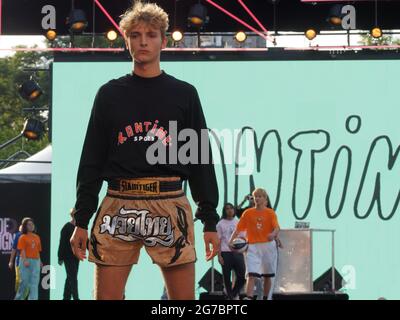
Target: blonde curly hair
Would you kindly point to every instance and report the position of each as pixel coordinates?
(149, 13)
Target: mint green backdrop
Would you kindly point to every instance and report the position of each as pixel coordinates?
(306, 105)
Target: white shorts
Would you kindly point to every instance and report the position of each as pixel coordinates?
(261, 259)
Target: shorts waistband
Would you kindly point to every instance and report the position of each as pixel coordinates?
(152, 186)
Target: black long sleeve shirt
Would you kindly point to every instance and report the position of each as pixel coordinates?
(124, 110)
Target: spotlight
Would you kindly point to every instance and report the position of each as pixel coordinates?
(198, 15)
(310, 34)
(30, 90)
(33, 129)
(112, 35)
(177, 35)
(335, 15)
(77, 21)
(240, 36)
(376, 32)
(51, 34)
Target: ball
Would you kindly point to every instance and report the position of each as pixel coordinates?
(239, 245)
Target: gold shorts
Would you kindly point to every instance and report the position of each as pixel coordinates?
(149, 212)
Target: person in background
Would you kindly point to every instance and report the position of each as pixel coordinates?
(14, 259)
(262, 228)
(66, 257)
(230, 260)
(30, 247)
(239, 210)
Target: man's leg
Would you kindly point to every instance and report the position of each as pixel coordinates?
(110, 281)
(250, 286)
(71, 266)
(74, 280)
(267, 286)
(240, 270)
(253, 266)
(227, 273)
(67, 286)
(179, 281)
(269, 265)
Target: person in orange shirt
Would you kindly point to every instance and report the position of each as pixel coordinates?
(30, 247)
(261, 226)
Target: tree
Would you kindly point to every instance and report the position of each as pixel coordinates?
(368, 40)
(14, 70)
(12, 117)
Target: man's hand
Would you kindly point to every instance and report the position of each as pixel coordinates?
(78, 243)
(278, 243)
(60, 262)
(26, 263)
(11, 265)
(271, 237)
(221, 260)
(211, 240)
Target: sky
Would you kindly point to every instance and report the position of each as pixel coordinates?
(7, 42)
(289, 40)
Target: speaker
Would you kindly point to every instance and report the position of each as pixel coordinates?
(205, 282)
(324, 282)
(311, 296)
(212, 296)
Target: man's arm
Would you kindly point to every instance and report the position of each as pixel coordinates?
(274, 234)
(233, 236)
(89, 179)
(276, 227)
(22, 255)
(23, 258)
(93, 157)
(240, 205)
(240, 227)
(202, 180)
(62, 245)
(14, 250)
(12, 258)
(219, 232)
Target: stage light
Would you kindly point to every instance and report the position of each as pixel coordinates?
(335, 15)
(376, 32)
(310, 34)
(177, 35)
(30, 90)
(240, 36)
(51, 34)
(111, 35)
(198, 15)
(77, 21)
(33, 129)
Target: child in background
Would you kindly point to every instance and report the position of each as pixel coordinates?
(30, 247)
(261, 226)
